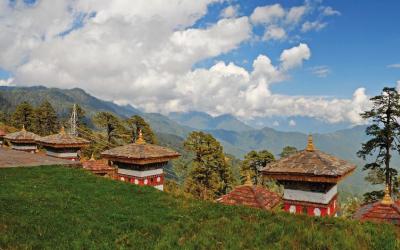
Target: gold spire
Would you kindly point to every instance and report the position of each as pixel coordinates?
(248, 181)
(92, 157)
(387, 199)
(62, 130)
(140, 139)
(23, 128)
(310, 144)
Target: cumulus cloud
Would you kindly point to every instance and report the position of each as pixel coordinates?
(295, 56)
(142, 53)
(295, 14)
(274, 33)
(292, 123)
(7, 82)
(230, 11)
(267, 14)
(316, 25)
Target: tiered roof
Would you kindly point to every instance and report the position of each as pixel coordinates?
(22, 136)
(381, 211)
(252, 196)
(62, 140)
(309, 165)
(140, 153)
(96, 165)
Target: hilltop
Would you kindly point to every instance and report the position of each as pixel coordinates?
(49, 207)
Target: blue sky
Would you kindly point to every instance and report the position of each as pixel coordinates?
(356, 46)
(190, 56)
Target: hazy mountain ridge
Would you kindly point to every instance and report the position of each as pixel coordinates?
(237, 141)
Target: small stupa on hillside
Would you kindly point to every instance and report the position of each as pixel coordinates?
(63, 145)
(386, 210)
(23, 140)
(141, 163)
(252, 196)
(310, 179)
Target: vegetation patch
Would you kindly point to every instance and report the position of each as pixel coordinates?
(57, 207)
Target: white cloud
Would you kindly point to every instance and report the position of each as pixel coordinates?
(7, 82)
(275, 124)
(295, 14)
(394, 66)
(267, 14)
(143, 53)
(295, 56)
(320, 71)
(274, 33)
(230, 11)
(292, 123)
(316, 25)
(329, 11)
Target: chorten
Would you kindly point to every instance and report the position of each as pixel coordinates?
(310, 179)
(23, 140)
(141, 163)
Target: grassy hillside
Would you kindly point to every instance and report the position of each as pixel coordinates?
(55, 207)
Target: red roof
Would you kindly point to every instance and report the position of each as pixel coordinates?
(252, 196)
(96, 165)
(379, 212)
(2, 133)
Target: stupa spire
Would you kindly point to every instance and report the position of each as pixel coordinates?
(387, 199)
(310, 144)
(140, 139)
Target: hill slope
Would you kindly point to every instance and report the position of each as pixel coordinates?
(53, 207)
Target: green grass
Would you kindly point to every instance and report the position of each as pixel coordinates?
(56, 207)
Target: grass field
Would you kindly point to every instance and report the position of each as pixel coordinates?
(56, 207)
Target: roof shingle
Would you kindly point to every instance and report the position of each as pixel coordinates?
(379, 212)
(252, 196)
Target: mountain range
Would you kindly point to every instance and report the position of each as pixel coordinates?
(237, 137)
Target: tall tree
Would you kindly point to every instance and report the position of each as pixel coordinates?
(385, 137)
(46, 120)
(210, 174)
(136, 123)
(287, 151)
(253, 162)
(24, 115)
(110, 123)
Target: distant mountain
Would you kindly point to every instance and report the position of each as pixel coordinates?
(204, 121)
(236, 137)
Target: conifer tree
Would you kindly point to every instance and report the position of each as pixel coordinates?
(111, 124)
(287, 151)
(210, 175)
(23, 115)
(253, 162)
(385, 139)
(136, 123)
(46, 120)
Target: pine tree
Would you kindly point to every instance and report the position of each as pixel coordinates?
(111, 124)
(385, 138)
(46, 120)
(252, 163)
(210, 175)
(23, 116)
(287, 151)
(136, 123)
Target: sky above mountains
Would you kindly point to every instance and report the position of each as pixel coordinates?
(263, 61)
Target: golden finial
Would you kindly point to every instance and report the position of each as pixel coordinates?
(140, 139)
(248, 181)
(23, 128)
(92, 157)
(62, 130)
(387, 199)
(310, 144)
